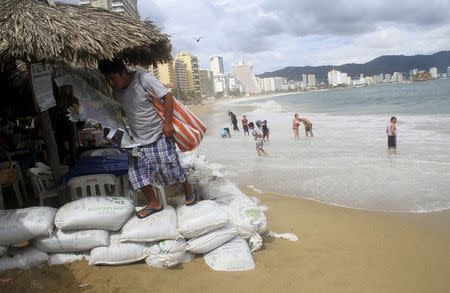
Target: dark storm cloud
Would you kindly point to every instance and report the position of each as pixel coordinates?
(353, 17)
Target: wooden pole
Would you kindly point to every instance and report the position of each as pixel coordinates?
(48, 135)
(51, 147)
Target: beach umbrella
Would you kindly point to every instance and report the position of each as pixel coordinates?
(42, 31)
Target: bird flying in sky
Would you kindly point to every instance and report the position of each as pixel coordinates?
(198, 39)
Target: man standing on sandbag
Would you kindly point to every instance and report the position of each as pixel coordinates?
(155, 154)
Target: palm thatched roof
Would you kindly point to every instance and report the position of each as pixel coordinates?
(36, 30)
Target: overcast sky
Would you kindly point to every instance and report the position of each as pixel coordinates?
(272, 34)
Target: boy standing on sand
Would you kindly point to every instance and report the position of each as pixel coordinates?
(265, 131)
(391, 131)
(257, 134)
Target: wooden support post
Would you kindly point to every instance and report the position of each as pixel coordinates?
(46, 129)
(51, 148)
(73, 141)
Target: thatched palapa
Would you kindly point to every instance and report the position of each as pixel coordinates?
(34, 31)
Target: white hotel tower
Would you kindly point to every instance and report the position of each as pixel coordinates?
(216, 64)
(128, 7)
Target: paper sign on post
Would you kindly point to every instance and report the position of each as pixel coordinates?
(42, 85)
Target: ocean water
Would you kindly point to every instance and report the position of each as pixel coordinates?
(346, 162)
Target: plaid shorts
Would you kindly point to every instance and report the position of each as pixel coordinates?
(158, 159)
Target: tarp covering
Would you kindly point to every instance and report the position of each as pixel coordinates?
(95, 107)
(115, 164)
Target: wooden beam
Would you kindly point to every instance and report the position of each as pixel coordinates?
(46, 129)
(51, 148)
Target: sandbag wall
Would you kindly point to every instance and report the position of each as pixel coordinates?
(224, 227)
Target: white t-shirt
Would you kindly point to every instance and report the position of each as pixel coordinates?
(257, 134)
(145, 123)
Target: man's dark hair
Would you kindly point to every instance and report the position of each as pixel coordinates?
(115, 65)
(251, 124)
(393, 118)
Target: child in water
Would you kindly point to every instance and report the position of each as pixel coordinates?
(265, 131)
(257, 134)
(225, 133)
(391, 131)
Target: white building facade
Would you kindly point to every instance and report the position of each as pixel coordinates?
(220, 84)
(311, 80)
(244, 74)
(181, 77)
(433, 72)
(333, 77)
(128, 7)
(216, 64)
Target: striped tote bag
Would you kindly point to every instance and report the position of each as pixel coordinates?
(189, 130)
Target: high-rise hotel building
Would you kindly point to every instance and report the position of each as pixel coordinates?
(216, 64)
(192, 71)
(128, 7)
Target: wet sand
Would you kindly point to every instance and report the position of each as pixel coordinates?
(340, 250)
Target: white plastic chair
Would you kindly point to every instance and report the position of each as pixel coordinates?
(19, 185)
(93, 185)
(43, 184)
(2, 204)
(42, 166)
(160, 194)
(63, 169)
(100, 152)
(157, 188)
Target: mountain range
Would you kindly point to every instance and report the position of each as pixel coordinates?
(383, 64)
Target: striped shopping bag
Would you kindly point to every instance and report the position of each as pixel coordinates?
(189, 130)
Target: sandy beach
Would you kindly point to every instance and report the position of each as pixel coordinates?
(340, 250)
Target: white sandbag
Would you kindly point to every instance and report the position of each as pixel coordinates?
(242, 223)
(167, 253)
(63, 258)
(222, 191)
(188, 257)
(117, 253)
(177, 201)
(23, 258)
(25, 224)
(95, 212)
(200, 218)
(198, 169)
(232, 256)
(158, 226)
(70, 241)
(255, 242)
(211, 240)
(247, 217)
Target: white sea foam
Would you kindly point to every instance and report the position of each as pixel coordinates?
(254, 189)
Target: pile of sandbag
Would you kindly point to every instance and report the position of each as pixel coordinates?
(225, 228)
